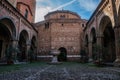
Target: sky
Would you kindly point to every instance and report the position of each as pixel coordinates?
(84, 8)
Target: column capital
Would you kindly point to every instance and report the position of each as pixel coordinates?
(99, 36)
(28, 43)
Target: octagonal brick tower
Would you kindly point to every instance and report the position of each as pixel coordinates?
(61, 30)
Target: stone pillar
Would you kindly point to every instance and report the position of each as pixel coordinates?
(15, 48)
(117, 45)
(99, 45)
(4, 47)
(27, 52)
(14, 43)
(90, 51)
(35, 52)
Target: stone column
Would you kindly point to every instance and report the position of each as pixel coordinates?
(27, 52)
(14, 43)
(90, 51)
(4, 47)
(99, 45)
(15, 48)
(117, 45)
(35, 52)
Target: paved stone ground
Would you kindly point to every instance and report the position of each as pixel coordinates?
(63, 72)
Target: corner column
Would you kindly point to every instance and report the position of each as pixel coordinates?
(90, 51)
(117, 45)
(28, 48)
(99, 45)
(15, 49)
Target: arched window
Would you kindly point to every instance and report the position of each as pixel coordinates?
(18, 6)
(26, 13)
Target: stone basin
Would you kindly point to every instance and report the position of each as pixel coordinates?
(55, 54)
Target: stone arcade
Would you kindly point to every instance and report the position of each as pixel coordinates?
(16, 28)
(103, 30)
(62, 30)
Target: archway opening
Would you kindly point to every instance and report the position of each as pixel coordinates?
(109, 44)
(93, 39)
(86, 46)
(33, 48)
(33, 43)
(63, 54)
(23, 38)
(5, 39)
(1, 43)
(86, 40)
(108, 40)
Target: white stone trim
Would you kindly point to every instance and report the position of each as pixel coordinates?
(45, 56)
(73, 56)
(49, 56)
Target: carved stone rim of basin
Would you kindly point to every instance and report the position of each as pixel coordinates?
(55, 52)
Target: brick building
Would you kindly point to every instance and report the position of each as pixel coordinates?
(103, 33)
(61, 30)
(16, 29)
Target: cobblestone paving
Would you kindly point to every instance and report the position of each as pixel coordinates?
(63, 72)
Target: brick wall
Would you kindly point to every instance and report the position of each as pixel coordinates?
(56, 32)
(30, 6)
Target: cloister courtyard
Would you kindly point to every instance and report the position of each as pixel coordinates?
(64, 71)
(85, 48)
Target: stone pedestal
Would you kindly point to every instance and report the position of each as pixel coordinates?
(55, 54)
(54, 59)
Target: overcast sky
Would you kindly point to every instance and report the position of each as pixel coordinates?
(84, 8)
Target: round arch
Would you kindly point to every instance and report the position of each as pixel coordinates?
(94, 41)
(7, 33)
(103, 22)
(108, 40)
(63, 54)
(93, 35)
(22, 44)
(9, 23)
(33, 43)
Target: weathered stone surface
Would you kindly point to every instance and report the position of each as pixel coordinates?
(63, 72)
